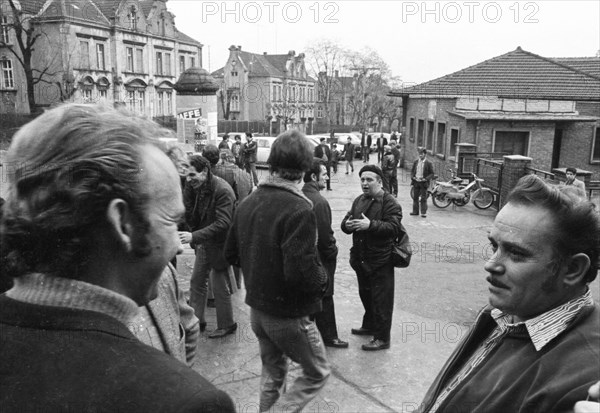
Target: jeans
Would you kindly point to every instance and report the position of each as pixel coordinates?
(420, 197)
(251, 168)
(376, 291)
(280, 338)
(220, 286)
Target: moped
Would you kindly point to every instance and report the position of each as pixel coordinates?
(445, 193)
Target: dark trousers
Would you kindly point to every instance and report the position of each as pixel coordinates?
(379, 155)
(328, 168)
(326, 320)
(394, 183)
(365, 153)
(376, 291)
(420, 197)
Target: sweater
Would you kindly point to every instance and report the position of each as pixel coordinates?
(273, 238)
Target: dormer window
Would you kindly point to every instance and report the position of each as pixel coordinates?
(234, 73)
(133, 18)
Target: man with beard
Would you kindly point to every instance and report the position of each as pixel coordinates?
(314, 182)
(374, 222)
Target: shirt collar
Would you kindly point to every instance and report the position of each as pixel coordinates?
(547, 326)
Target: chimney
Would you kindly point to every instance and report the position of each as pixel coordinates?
(240, 48)
(264, 53)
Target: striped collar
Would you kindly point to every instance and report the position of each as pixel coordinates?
(547, 326)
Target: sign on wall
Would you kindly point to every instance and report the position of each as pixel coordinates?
(190, 114)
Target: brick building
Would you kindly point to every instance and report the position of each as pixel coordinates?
(266, 87)
(120, 51)
(517, 103)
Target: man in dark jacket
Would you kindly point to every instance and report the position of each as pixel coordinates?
(323, 152)
(249, 153)
(365, 143)
(374, 222)
(89, 234)
(535, 347)
(273, 239)
(314, 182)
(381, 142)
(209, 203)
(421, 174)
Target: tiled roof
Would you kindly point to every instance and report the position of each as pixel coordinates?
(590, 65)
(184, 38)
(496, 115)
(518, 74)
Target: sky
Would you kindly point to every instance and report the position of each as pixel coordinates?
(419, 40)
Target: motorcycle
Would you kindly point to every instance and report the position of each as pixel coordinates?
(445, 193)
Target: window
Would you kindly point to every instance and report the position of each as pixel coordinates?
(441, 138)
(159, 63)
(181, 64)
(420, 132)
(454, 136)
(129, 52)
(132, 17)
(311, 94)
(164, 103)
(103, 93)
(319, 112)
(192, 62)
(274, 95)
(320, 95)
(596, 148)
(136, 100)
(84, 54)
(235, 103)
(86, 95)
(234, 73)
(100, 57)
(430, 131)
(511, 142)
(168, 64)
(8, 81)
(411, 130)
(139, 60)
(4, 30)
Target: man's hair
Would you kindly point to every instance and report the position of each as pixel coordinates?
(572, 170)
(176, 154)
(334, 145)
(322, 139)
(423, 151)
(200, 163)
(315, 168)
(211, 153)
(227, 156)
(577, 223)
(237, 138)
(226, 136)
(291, 155)
(249, 134)
(67, 165)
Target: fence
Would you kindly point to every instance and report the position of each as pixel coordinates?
(227, 126)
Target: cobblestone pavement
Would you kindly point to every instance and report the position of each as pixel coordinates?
(436, 299)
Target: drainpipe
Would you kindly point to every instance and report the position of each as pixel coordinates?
(477, 133)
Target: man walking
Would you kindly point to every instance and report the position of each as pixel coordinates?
(365, 143)
(381, 142)
(374, 222)
(89, 232)
(348, 154)
(273, 239)
(323, 152)
(421, 174)
(388, 167)
(314, 182)
(249, 151)
(209, 202)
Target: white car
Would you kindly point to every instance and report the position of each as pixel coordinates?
(263, 149)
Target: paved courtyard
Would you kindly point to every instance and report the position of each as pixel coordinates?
(436, 299)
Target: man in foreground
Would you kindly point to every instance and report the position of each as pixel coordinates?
(90, 224)
(374, 222)
(314, 182)
(535, 347)
(273, 239)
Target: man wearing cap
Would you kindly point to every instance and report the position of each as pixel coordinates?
(374, 222)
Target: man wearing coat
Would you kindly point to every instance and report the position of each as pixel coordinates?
(249, 153)
(314, 182)
(374, 222)
(421, 174)
(381, 142)
(323, 152)
(365, 144)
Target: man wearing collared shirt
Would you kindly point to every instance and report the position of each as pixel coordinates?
(422, 172)
(535, 347)
(374, 222)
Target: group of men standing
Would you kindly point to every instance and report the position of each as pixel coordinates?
(91, 223)
(244, 153)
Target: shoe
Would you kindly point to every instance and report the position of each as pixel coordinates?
(329, 189)
(222, 332)
(375, 345)
(362, 331)
(424, 215)
(202, 327)
(346, 173)
(335, 343)
(413, 213)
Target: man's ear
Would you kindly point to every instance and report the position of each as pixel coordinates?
(313, 177)
(577, 267)
(119, 219)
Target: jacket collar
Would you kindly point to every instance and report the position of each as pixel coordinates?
(274, 181)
